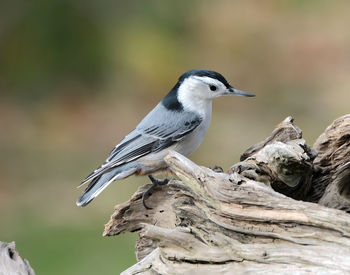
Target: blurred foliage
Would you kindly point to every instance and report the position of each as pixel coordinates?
(76, 76)
(57, 250)
(49, 44)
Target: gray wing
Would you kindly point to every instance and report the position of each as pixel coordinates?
(160, 129)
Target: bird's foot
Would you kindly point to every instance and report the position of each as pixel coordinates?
(155, 183)
(217, 169)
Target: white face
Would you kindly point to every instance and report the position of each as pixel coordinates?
(196, 92)
(204, 87)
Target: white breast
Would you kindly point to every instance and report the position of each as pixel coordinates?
(186, 146)
(190, 143)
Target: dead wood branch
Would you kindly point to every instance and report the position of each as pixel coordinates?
(11, 262)
(331, 179)
(236, 222)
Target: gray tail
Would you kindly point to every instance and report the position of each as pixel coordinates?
(98, 184)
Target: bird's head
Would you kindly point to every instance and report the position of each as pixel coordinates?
(206, 84)
(199, 86)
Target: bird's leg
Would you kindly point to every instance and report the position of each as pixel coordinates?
(217, 169)
(155, 183)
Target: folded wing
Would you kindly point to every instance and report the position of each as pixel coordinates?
(160, 129)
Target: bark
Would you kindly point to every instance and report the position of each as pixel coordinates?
(11, 262)
(331, 181)
(259, 217)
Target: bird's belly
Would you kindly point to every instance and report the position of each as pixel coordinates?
(155, 159)
(185, 147)
(189, 144)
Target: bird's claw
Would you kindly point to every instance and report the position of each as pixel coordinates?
(155, 183)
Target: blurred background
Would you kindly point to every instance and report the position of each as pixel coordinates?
(76, 76)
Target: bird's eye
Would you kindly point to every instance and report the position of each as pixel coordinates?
(212, 87)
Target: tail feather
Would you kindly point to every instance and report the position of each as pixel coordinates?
(98, 184)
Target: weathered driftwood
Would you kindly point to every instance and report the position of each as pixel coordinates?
(331, 180)
(11, 262)
(235, 223)
(283, 161)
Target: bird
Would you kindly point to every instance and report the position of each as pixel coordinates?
(178, 122)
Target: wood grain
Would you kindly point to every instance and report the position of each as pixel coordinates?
(256, 218)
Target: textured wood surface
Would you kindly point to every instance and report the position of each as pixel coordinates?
(331, 179)
(237, 222)
(11, 263)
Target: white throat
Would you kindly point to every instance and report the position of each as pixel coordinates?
(192, 100)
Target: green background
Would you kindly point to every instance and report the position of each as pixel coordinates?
(76, 76)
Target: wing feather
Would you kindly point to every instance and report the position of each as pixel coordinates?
(153, 134)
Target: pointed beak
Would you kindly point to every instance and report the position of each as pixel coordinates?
(233, 91)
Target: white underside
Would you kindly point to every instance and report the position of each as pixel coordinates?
(186, 146)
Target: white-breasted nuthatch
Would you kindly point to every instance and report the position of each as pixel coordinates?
(179, 122)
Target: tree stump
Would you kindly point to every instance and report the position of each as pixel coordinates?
(274, 212)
